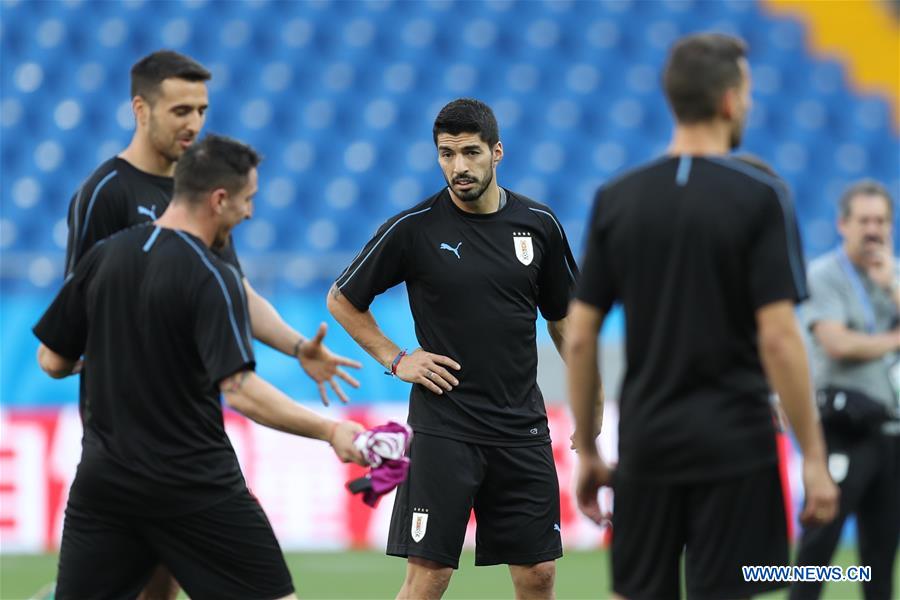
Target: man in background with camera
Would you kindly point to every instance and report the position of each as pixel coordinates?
(853, 316)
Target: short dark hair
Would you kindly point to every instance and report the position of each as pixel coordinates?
(467, 115)
(699, 70)
(148, 73)
(758, 163)
(214, 162)
(863, 187)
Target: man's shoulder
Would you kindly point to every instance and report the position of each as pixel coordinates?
(825, 268)
(105, 179)
(412, 216)
(636, 174)
(538, 210)
(747, 179)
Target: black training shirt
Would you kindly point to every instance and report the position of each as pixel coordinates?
(692, 247)
(475, 283)
(114, 197)
(161, 320)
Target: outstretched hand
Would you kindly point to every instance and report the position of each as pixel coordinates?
(430, 370)
(324, 366)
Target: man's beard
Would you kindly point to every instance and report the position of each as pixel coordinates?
(171, 151)
(220, 242)
(474, 194)
(737, 135)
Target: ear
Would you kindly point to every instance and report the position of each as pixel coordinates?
(217, 200)
(729, 105)
(842, 226)
(498, 153)
(141, 110)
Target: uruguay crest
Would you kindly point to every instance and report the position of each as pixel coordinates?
(419, 525)
(523, 246)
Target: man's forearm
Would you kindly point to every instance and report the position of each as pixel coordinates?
(841, 343)
(268, 326)
(557, 331)
(363, 328)
(256, 398)
(784, 359)
(583, 374)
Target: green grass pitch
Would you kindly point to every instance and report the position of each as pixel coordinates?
(362, 575)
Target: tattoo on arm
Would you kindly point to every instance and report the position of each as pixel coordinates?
(335, 292)
(235, 382)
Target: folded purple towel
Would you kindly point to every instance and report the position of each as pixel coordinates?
(385, 449)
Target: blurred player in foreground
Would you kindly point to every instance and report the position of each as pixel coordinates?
(479, 261)
(853, 314)
(163, 323)
(704, 254)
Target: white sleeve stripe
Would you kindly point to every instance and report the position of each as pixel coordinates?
(381, 239)
(562, 238)
(218, 276)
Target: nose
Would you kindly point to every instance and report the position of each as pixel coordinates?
(460, 166)
(195, 122)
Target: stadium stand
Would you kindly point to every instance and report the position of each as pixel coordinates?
(340, 97)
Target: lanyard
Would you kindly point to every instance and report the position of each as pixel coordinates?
(860, 290)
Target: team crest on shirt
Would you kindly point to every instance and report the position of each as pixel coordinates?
(419, 525)
(523, 246)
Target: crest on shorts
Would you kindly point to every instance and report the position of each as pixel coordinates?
(419, 525)
(523, 246)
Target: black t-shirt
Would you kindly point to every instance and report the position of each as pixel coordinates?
(475, 283)
(692, 247)
(117, 196)
(161, 320)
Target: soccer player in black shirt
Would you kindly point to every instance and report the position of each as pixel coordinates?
(704, 254)
(163, 323)
(478, 261)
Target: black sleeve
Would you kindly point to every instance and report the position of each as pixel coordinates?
(556, 282)
(63, 327)
(229, 254)
(595, 285)
(775, 264)
(95, 213)
(221, 323)
(379, 266)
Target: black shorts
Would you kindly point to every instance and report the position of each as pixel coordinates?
(721, 525)
(514, 492)
(225, 551)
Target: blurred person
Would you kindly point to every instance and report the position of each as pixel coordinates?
(704, 254)
(852, 315)
(163, 323)
(478, 261)
(169, 99)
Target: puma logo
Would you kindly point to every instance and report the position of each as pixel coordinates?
(150, 212)
(450, 248)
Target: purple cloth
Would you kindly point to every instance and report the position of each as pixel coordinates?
(385, 449)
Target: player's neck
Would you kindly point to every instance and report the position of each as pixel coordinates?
(142, 156)
(488, 203)
(178, 215)
(701, 139)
